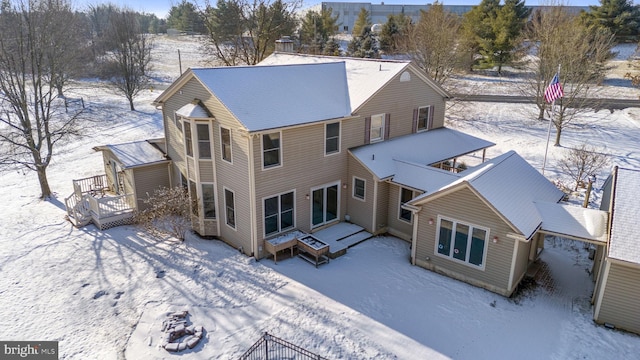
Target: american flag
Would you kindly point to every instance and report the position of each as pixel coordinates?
(554, 90)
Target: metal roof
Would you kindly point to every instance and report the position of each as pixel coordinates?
(269, 97)
(425, 148)
(365, 76)
(625, 233)
(135, 153)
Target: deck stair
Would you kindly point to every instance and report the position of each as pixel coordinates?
(342, 236)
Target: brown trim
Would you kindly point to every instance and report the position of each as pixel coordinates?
(387, 126)
(367, 130)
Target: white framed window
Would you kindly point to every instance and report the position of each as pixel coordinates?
(225, 144)
(271, 154)
(188, 139)
(425, 118)
(405, 196)
(230, 208)
(204, 141)
(359, 186)
(462, 242)
(208, 201)
(377, 127)
(193, 197)
(279, 213)
(332, 138)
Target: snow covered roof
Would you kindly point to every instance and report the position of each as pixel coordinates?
(268, 97)
(625, 233)
(573, 221)
(424, 148)
(135, 153)
(422, 177)
(512, 186)
(193, 110)
(365, 76)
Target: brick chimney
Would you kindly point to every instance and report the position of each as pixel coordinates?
(285, 44)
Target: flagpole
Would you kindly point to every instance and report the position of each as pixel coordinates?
(553, 110)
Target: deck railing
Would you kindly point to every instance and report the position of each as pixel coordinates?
(93, 184)
(110, 206)
(270, 347)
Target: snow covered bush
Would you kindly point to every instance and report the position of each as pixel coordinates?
(167, 213)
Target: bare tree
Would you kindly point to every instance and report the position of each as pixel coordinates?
(432, 43)
(129, 54)
(168, 212)
(582, 162)
(560, 38)
(32, 120)
(244, 31)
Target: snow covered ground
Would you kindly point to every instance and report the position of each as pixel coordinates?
(103, 294)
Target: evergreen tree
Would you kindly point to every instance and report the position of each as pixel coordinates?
(393, 31)
(621, 17)
(365, 45)
(184, 17)
(317, 29)
(494, 30)
(363, 20)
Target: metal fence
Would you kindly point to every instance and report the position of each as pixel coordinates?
(270, 347)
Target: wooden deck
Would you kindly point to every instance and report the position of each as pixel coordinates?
(91, 202)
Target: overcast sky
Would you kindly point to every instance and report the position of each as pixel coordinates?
(161, 7)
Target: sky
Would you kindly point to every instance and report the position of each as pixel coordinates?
(161, 8)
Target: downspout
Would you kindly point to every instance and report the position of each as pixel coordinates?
(252, 199)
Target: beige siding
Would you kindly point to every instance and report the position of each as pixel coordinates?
(522, 262)
(234, 177)
(148, 179)
(464, 206)
(397, 227)
(382, 207)
(399, 99)
(361, 212)
(303, 167)
(621, 298)
(206, 171)
(174, 137)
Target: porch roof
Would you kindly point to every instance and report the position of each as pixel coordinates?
(573, 221)
(422, 177)
(426, 148)
(625, 232)
(133, 154)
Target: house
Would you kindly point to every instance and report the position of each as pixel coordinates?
(267, 149)
(616, 297)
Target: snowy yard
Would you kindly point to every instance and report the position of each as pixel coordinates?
(103, 294)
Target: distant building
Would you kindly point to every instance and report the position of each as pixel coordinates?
(347, 12)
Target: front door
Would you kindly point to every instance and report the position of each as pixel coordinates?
(325, 202)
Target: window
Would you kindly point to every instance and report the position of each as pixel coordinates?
(176, 120)
(188, 142)
(358, 188)
(376, 132)
(405, 196)
(230, 206)
(193, 197)
(425, 118)
(271, 150)
(204, 144)
(462, 242)
(278, 213)
(332, 138)
(225, 143)
(208, 201)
